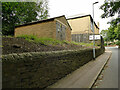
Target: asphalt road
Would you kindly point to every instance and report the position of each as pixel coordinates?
(109, 76)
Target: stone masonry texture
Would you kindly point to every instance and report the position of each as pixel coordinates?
(41, 69)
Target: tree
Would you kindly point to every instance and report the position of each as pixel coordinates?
(117, 31)
(111, 34)
(17, 13)
(104, 34)
(111, 8)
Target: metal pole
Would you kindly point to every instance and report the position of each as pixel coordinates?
(93, 35)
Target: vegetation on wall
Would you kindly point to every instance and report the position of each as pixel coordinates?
(50, 41)
(17, 13)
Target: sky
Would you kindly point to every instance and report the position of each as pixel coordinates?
(75, 7)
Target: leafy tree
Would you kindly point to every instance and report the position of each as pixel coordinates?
(111, 34)
(17, 13)
(104, 34)
(117, 31)
(111, 8)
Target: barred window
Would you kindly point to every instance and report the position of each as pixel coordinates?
(60, 27)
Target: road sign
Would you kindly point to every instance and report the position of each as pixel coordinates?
(97, 37)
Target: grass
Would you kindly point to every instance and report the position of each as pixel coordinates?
(72, 42)
(45, 41)
(50, 41)
(81, 43)
(87, 44)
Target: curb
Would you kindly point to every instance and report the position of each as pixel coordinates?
(95, 79)
(89, 79)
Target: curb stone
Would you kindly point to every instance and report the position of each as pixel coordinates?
(95, 79)
(74, 79)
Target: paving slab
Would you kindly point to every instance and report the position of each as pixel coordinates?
(85, 76)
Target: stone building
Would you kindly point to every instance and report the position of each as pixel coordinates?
(56, 28)
(82, 27)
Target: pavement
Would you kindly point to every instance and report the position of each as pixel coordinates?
(109, 75)
(85, 76)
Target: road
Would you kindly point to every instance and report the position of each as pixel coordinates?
(109, 76)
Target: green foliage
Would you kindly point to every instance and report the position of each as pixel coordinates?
(72, 42)
(28, 37)
(84, 44)
(66, 42)
(117, 32)
(104, 34)
(17, 13)
(50, 41)
(110, 8)
(114, 32)
(111, 33)
(118, 43)
(45, 41)
(105, 44)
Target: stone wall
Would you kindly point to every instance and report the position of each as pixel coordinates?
(39, 70)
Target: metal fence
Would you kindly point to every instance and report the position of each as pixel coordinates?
(85, 38)
(80, 38)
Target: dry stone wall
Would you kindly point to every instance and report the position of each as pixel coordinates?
(39, 70)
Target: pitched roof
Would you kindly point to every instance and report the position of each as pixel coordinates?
(81, 16)
(44, 20)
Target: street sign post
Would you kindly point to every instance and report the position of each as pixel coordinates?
(97, 37)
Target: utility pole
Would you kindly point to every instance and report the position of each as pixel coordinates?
(93, 33)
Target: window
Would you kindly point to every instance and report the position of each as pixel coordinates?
(60, 31)
(63, 28)
(60, 27)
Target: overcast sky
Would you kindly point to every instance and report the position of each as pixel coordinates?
(74, 7)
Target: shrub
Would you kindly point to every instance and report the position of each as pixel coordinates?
(118, 43)
(105, 44)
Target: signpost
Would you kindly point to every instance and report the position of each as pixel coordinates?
(97, 37)
(93, 33)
